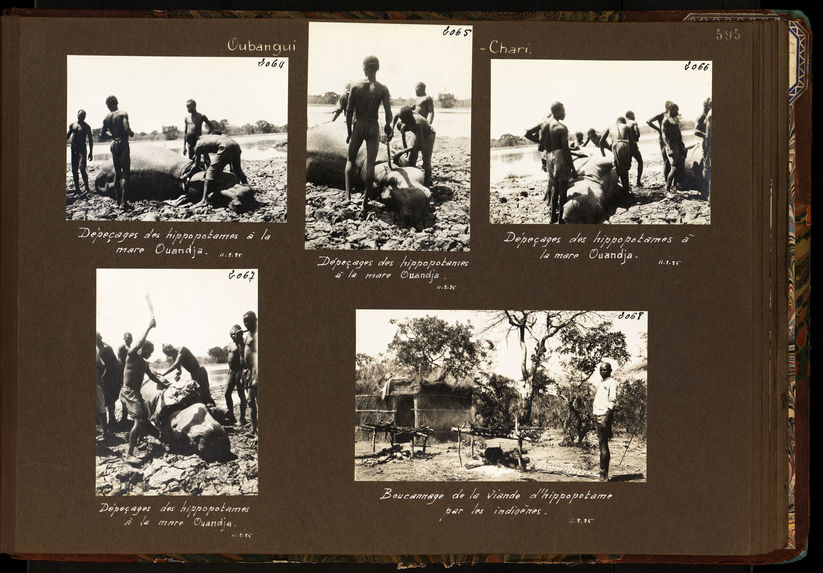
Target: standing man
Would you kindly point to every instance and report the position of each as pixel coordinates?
(136, 368)
(116, 124)
(250, 363)
(236, 359)
(111, 378)
(603, 409)
(79, 132)
(620, 136)
(193, 128)
(424, 104)
(675, 149)
(634, 138)
(362, 124)
(121, 357)
(342, 103)
(655, 122)
(421, 139)
(554, 138)
(228, 153)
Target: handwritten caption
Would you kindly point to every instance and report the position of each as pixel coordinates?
(224, 518)
(173, 243)
(499, 502)
(432, 271)
(600, 246)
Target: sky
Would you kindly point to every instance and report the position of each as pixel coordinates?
(594, 92)
(408, 54)
(374, 333)
(193, 307)
(154, 89)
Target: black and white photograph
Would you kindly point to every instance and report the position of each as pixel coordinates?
(388, 146)
(176, 363)
(176, 138)
(501, 395)
(600, 142)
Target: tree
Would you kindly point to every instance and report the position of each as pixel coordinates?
(264, 126)
(424, 344)
(219, 354)
(170, 132)
(496, 403)
(446, 100)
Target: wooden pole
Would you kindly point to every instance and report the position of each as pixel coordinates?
(373, 438)
(459, 456)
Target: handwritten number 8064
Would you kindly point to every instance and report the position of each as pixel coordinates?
(728, 34)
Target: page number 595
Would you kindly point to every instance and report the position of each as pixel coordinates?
(727, 34)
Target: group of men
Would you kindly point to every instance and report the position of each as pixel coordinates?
(552, 137)
(361, 103)
(122, 375)
(197, 145)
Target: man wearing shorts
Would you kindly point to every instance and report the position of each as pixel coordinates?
(603, 409)
(228, 153)
(136, 368)
(116, 125)
(79, 132)
(362, 124)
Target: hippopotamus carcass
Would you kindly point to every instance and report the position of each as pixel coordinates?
(183, 421)
(158, 174)
(400, 187)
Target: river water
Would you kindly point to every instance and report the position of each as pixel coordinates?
(454, 122)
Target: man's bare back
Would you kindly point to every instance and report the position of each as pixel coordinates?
(117, 125)
(366, 98)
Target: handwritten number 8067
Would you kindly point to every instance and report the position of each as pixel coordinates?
(728, 34)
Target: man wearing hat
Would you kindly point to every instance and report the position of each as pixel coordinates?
(362, 124)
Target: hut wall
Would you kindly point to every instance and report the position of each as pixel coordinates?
(442, 412)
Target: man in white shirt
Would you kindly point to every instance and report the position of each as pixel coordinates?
(603, 409)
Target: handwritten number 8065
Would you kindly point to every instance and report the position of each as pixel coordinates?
(728, 34)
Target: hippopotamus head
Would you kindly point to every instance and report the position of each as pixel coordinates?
(194, 426)
(401, 189)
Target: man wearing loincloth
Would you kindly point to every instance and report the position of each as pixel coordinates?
(236, 359)
(136, 368)
(421, 139)
(342, 103)
(193, 128)
(183, 358)
(634, 138)
(424, 105)
(554, 139)
(362, 124)
(675, 149)
(78, 133)
(620, 136)
(228, 153)
(112, 378)
(603, 409)
(116, 125)
(250, 365)
(655, 122)
(121, 356)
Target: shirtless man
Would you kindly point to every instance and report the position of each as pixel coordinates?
(111, 379)
(121, 356)
(100, 401)
(554, 138)
(228, 153)
(342, 103)
(193, 128)
(116, 124)
(634, 138)
(136, 369)
(236, 359)
(362, 124)
(594, 137)
(250, 363)
(533, 135)
(655, 122)
(183, 358)
(78, 133)
(620, 136)
(675, 149)
(421, 139)
(424, 104)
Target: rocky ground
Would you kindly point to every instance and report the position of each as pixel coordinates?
(519, 199)
(267, 178)
(165, 473)
(332, 223)
(547, 461)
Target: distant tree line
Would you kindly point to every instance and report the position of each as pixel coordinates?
(444, 100)
(172, 132)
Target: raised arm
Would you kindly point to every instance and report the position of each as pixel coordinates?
(135, 349)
